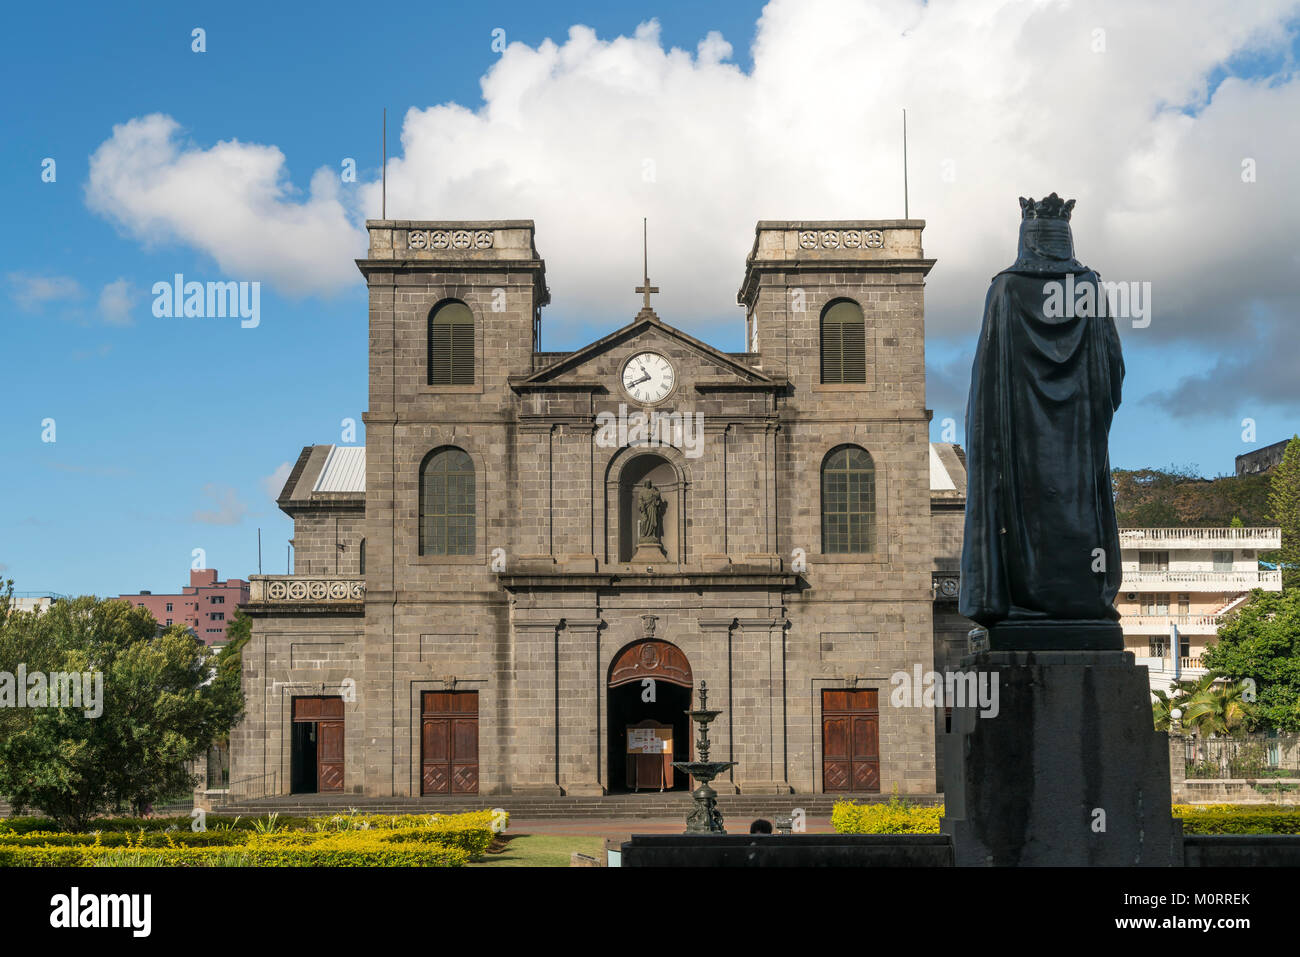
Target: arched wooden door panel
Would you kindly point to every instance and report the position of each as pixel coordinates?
(650, 659)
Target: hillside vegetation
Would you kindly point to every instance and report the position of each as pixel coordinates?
(1176, 497)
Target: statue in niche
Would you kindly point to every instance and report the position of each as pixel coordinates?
(650, 508)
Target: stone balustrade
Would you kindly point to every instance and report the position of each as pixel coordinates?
(1259, 537)
(1159, 624)
(1227, 581)
(305, 590)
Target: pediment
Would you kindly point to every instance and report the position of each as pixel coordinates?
(697, 363)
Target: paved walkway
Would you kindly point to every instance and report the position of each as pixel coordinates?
(621, 827)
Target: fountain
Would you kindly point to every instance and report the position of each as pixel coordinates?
(705, 818)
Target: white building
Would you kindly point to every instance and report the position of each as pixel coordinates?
(34, 601)
(1179, 583)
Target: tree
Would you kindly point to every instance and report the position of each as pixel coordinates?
(160, 703)
(1209, 705)
(1261, 641)
(1219, 709)
(1284, 501)
(1176, 496)
(228, 682)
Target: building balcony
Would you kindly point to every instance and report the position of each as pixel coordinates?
(304, 591)
(1189, 669)
(1159, 624)
(1191, 538)
(1201, 581)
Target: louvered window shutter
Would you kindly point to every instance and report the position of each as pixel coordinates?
(451, 345)
(462, 353)
(844, 344)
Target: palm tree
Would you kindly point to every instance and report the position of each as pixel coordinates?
(1177, 697)
(1160, 709)
(1219, 710)
(1209, 706)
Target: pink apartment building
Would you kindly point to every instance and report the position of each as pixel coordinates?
(206, 605)
(1180, 584)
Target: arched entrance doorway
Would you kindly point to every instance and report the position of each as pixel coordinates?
(649, 695)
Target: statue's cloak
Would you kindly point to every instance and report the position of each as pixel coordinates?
(1038, 501)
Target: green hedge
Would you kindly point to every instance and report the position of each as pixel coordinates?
(334, 851)
(900, 817)
(126, 839)
(1239, 818)
(337, 822)
(406, 840)
(25, 825)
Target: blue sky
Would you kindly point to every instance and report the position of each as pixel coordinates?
(167, 432)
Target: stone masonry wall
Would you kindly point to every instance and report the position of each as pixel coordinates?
(533, 619)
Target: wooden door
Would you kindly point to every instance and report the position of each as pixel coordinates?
(449, 742)
(326, 713)
(850, 741)
(329, 756)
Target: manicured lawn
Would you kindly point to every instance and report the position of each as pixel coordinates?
(540, 850)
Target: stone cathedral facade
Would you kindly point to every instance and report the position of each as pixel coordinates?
(480, 603)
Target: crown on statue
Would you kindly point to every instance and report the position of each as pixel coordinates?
(1050, 207)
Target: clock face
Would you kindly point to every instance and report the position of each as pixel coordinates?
(648, 377)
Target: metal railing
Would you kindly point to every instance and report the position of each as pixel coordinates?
(254, 788)
(1249, 756)
(218, 768)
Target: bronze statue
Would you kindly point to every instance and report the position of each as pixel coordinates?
(1040, 564)
(650, 506)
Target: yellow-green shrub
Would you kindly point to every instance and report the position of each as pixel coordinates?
(472, 830)
(125, 839)
(28, 824)
(1238, 818)
(402, 840)
(898, 817)
(335, 850)
(894, 817)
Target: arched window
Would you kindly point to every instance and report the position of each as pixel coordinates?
(844, 343)
(848, 501)
(361, 558)
(451, 344)
(447, 503)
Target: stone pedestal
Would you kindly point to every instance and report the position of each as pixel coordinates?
(1069, 771)
(649, 553)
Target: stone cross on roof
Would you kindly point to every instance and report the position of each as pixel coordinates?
(645, 288)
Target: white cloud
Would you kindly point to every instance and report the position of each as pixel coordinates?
(233, 201)
(227, 510)
(1004, 99)
(273, 484)
(32, 292)
(116, 301)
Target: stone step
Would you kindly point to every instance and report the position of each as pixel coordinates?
(542, 808)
